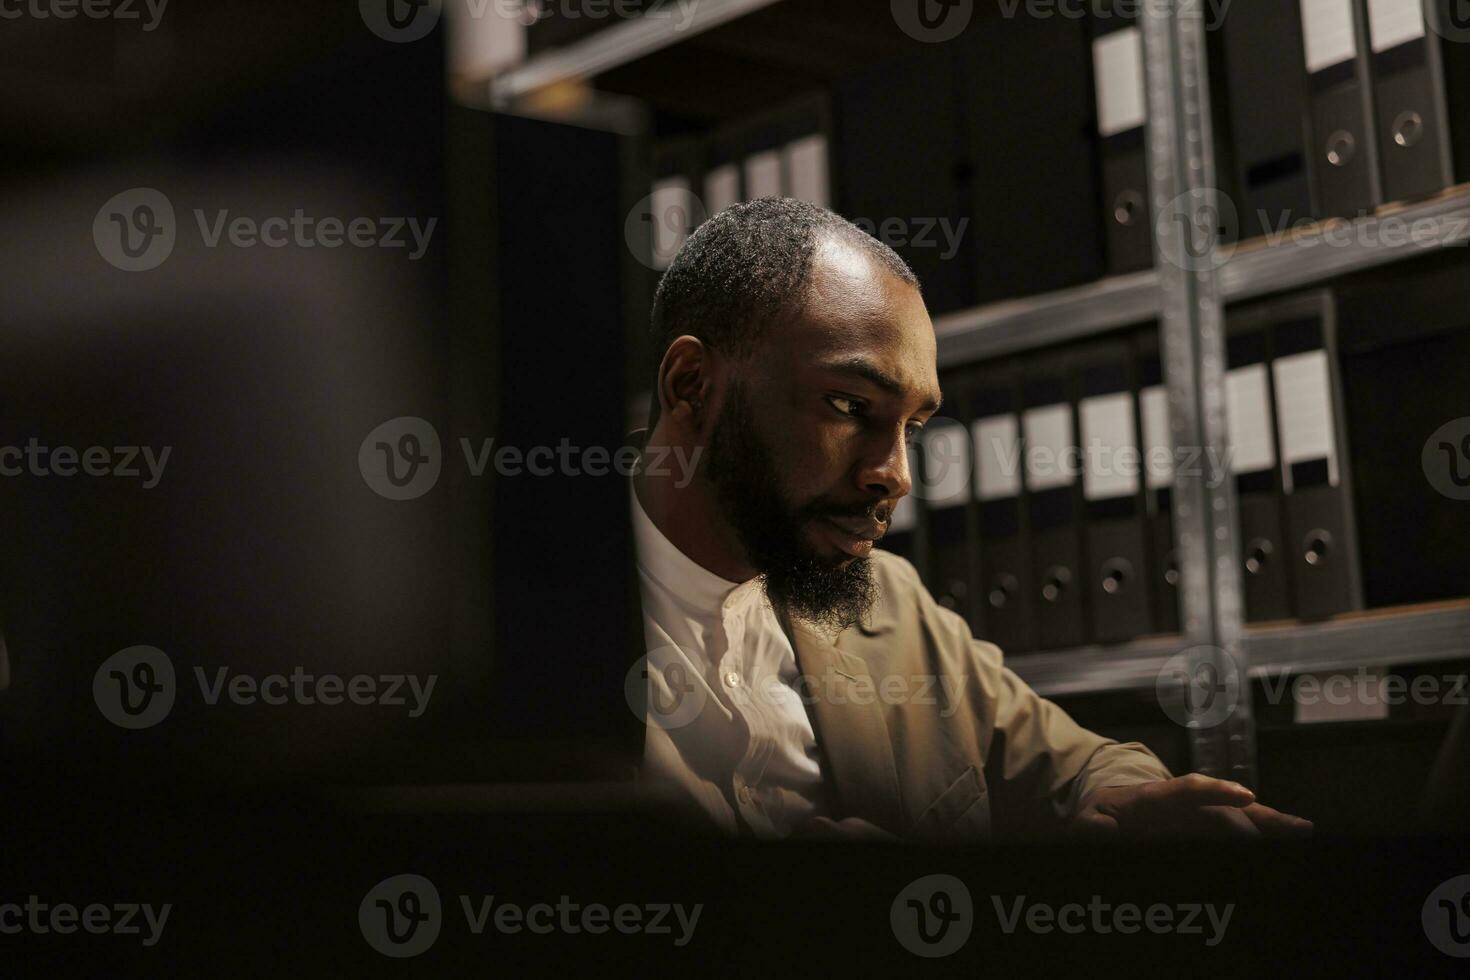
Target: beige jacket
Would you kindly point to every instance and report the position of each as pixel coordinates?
(911, 713)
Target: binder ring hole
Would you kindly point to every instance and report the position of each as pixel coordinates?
(1171, 570)
(1408, 128)
(1341, 148)
(1127, 207)
(1116, 573)
(1002, 590)
(1258, 553)
(1057, 580)
(1317, 545)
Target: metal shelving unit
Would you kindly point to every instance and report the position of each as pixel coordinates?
(1194, 277)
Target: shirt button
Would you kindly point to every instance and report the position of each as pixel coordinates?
(744, 794)
(732, 678)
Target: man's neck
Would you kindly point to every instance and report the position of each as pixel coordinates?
(689, 516)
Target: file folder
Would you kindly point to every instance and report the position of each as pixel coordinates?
(1112, 490)
(1319, 514)
(1004, 602)
(1409, 94)
(1053, 499)
(1122, 115)
(1158, 470)
(1268, 115)
(945, 449)
(1344, 153)
(1255, 465)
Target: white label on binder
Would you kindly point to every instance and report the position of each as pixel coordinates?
(763, 175)
(1109, 448)
(1304, 405)
(806, 162)
(997, 457)
(1117, 66)
(1394, 22)
(1051, 450)
(946, 464)
(721, 188)
(1327, 33)
(1248, 413)
(1153, 406)
(672, 207)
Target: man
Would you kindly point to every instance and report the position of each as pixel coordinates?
(803, 681)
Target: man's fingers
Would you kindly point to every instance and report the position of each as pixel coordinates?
(1090, 823)
(1274, 823)
(1195, 790)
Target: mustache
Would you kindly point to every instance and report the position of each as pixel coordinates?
(880, 512)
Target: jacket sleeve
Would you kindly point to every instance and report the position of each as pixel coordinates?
(1029, 740)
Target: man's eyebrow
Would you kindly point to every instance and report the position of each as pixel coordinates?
(867, 370)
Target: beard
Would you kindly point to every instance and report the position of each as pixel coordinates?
(832, 594)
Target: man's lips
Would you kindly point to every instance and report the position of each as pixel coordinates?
(854, 535)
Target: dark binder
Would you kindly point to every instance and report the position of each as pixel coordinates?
(1158, 475)
(1054, 499)
(946, 452)
(1409, 97)
(1112, 491)
(1005, 594)
(1255, 464)
(1345, 157)
(1122, 115)
(1320, 531)
(1268, 113)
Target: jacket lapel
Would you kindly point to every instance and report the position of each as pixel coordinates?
(851, 731)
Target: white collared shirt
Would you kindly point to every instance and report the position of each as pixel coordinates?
(726, 723)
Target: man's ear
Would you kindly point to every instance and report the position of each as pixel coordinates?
(686, 383)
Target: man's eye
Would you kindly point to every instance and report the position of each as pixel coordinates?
(911, 433)
(847, 406)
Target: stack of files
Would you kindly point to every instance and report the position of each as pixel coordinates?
(1285, 417)
(946, 450)
(1122, 119)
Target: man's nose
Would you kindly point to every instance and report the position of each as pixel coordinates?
(886, 473)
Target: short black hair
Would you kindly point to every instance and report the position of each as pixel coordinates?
(744, 268)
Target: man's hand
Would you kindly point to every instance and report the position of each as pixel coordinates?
(1188, 806)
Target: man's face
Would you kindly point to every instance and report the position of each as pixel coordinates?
(808, 456)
